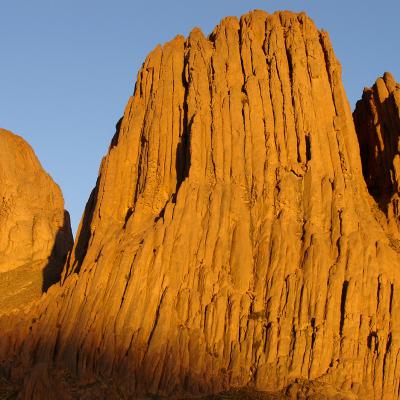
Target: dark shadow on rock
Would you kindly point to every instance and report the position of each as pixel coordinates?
(182, 159)
(377, 154)
(84, 232)
(62, 246)
(182, 163)
(115, 139)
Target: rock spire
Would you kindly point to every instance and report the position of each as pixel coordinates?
(377, 120)
(230, 240)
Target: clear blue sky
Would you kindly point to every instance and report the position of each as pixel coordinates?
(67, 67)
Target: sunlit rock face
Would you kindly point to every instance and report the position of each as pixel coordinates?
(230, 240)
(35, 233)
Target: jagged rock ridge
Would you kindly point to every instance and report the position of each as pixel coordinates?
(230, 240)
(35, 233)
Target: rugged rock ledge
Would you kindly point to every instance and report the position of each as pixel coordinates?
(230, 240)
(35, 232)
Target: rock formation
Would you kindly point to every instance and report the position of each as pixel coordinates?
(35, 234)
(230, 240)
(377, 121)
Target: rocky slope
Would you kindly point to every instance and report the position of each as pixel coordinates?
(35, 233)
(230, 240)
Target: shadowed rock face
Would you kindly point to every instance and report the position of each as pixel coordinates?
(230, 240)
(35, 233)
(377, 121)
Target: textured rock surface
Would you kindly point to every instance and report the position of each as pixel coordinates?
(35, 234)
(377, 121)
(230, 240)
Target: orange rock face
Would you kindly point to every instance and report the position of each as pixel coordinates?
(230, 240)
(35, 234)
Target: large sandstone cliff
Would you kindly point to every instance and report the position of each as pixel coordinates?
(35, 234)
(230, 240)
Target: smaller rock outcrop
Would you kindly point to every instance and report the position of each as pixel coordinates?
(377, 121)
(35, 231)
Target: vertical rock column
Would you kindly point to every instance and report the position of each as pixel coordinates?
(377, 121)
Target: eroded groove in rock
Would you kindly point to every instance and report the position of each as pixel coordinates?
(35, 232)
(231, 241)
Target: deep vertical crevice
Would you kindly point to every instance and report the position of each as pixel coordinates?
(85, 233)
(343, 305)
(182, 160)
(52, 273)
(391, 298)
(372, 341)
(308, 148)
